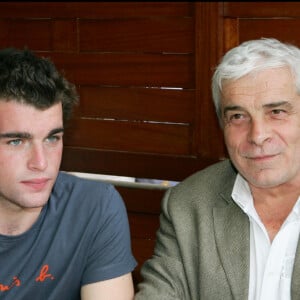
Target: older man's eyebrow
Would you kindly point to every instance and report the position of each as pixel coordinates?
(278, 104)
(267, 105)
(232, 108)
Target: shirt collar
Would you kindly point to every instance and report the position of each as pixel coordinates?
(241, 194)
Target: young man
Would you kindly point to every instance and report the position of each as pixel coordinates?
(231, 231)
(61, 237)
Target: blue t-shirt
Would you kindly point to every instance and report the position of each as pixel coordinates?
(82, 236)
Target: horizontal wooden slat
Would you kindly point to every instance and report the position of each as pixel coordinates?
(140, 165)
(129, 136)
(127, 69)
(150, 35)
(261, 9)
(95, 9)
(141, 200)
(31, 33)
(137, 104)
(173, 35)
(38, 34)
(283, 29)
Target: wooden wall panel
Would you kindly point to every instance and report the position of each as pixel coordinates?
(135, 69)
(141, 256)
(259, 9)
(38, 34)
(87, 9)
(167, 35)
(252, 20)
(139, 200)
(143, 226)
(208, 137)
(64, 37)
(17, 33)
(129, 136)
(283, 29)
(137, 104)
(134, 164)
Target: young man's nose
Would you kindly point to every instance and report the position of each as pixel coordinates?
(37, 158)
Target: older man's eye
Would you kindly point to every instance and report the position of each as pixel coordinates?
(279, 114)
(235, 118)
(278, 111)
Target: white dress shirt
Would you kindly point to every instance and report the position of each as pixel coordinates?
(271, 264)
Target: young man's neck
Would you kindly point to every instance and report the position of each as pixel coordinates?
(16, 222)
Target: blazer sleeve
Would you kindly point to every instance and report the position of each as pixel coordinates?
(163, 275)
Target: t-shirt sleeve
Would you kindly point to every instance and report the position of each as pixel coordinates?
(109, 254)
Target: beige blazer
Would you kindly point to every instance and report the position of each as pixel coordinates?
(202, 248)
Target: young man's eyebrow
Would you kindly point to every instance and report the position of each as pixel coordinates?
(55, 131)
(26, 135)
(15, 135)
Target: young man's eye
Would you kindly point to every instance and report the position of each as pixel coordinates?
(15, 142)
(53, 139)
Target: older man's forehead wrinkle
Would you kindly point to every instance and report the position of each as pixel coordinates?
(255, 90)
(241, 90)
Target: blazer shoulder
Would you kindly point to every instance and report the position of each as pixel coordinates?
(206, 184)
(213, 175)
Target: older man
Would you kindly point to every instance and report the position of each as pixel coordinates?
(231, 231)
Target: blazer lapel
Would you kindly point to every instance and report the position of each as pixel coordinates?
(232, 236)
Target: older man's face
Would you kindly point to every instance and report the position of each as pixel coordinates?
(261, 118)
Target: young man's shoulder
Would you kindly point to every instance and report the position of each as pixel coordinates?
(70, 181)
(82, 191)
